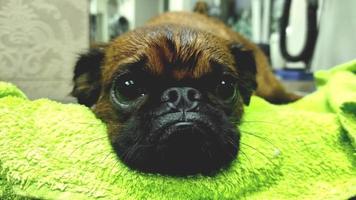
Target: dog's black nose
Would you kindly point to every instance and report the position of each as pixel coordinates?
(181, 98)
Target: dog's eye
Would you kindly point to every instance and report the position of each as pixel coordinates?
(127, 88)
(226, 88)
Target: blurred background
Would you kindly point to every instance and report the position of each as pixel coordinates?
(40, 40)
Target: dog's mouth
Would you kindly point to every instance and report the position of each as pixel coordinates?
(181, 132)
(183, 147)
(186, 142)
(190, 129)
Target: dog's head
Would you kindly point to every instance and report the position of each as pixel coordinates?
(171, 97)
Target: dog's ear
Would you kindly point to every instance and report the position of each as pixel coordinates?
(246, 67)
(87, 78)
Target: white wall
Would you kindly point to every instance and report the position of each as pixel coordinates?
(179, 5)
(188, 5)
(296, 30)
(39, 44)
(144, 10)
(337, 38)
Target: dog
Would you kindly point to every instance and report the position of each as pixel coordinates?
(172, 92)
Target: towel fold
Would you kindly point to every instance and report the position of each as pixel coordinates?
(304, 150)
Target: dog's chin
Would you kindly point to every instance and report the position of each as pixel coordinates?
(187, 148)
(184, 148)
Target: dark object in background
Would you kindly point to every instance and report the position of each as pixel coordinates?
(306, 53)
(201, 7)
(120, 27)
(299, 81)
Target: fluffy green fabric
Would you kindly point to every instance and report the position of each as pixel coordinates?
(305, 150)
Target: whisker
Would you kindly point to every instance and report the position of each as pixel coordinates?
(243, 182)
(234, 144)
(100, 153)
(230, 141)
(127, 155)
(115, 162)
(264, 155)
(107, 155)
(112, 170)
(248, 159)
(258, 136)
(266, 122)
(131, 150)
(86, 143)
(91, 123)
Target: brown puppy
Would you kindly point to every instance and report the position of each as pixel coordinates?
(173, 91)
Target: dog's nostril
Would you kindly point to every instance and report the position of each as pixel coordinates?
(193, 94)
(172, 96)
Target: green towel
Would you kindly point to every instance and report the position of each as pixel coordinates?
(304, 150)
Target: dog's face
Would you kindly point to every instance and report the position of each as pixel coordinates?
(171, 97)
